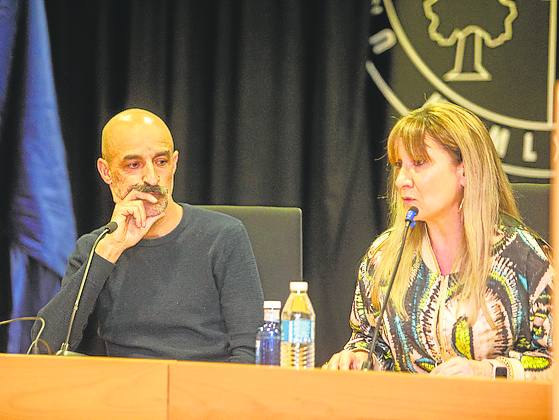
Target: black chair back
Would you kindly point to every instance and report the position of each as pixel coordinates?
(277, 241)
(533, 203)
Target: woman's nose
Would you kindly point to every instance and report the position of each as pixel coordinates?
(403, 179)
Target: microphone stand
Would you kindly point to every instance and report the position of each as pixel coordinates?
(410, 223)
(64, 348)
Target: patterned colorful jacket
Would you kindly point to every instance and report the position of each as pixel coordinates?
(518, 299)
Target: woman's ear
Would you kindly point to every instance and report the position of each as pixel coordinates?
(461, 174)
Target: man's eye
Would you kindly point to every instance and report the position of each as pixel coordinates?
(133, 165)
(162, 162)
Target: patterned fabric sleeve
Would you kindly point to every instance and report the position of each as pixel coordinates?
(533, 349)
(363, 315)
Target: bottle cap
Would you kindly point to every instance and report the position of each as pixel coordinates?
(272, 304)
(298, 286)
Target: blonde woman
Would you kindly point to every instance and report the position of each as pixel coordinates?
(472, 294)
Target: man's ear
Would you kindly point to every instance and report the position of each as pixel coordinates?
(175, 160)
(104, 171)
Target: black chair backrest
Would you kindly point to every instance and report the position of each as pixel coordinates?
(533, 203)
(277, 240)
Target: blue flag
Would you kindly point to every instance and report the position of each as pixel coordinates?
(42, 226)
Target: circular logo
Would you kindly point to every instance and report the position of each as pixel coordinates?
(486, 56)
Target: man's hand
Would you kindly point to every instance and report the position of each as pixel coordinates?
(133, 224)
(460, 366)
(347, 360)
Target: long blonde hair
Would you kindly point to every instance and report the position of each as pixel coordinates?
(487, 194)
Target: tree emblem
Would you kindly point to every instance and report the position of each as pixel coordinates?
(460, 33)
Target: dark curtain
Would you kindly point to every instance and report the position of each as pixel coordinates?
(269, 104)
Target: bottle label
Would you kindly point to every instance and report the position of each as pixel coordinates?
(299, 331)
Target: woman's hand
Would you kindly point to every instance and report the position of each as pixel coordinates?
(347, 360)
(460, 366)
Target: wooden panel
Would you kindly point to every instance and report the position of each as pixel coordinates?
(206, 390)
(53, 387)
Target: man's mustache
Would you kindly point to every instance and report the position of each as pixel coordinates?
(147, 188)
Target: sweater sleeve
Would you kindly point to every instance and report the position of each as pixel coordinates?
(58, 311)
(241, 295)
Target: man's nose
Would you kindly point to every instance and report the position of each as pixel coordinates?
(150, 175)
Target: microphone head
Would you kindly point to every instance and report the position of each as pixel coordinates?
(410, 215)
(111, 227)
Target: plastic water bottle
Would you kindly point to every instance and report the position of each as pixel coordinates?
(268, 338)
(297, 328)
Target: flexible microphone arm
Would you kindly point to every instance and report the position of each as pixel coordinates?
(410, 223)
(35, 342)
(64, 351)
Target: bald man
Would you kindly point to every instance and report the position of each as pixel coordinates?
(172, 281)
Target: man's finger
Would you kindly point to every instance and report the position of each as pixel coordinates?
(138, 195)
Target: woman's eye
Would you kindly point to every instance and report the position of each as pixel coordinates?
(397, 164)
(419, 162)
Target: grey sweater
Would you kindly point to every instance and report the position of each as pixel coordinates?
(193, 294)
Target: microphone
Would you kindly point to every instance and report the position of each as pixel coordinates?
(35, 343)
(64, 348)
(410, 223)
(110, 227)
